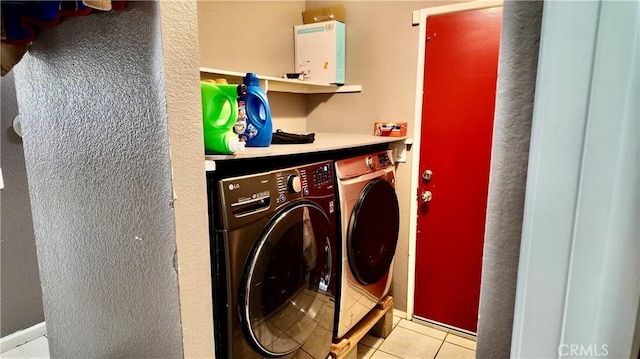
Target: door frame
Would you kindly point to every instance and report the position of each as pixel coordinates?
(419, 18)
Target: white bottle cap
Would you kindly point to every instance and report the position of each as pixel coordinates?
(235, 145)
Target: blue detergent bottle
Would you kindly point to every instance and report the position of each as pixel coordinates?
(254, 110)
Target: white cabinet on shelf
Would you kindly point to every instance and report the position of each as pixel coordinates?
(276, 84)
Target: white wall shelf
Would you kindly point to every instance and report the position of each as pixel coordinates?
(277, 84)
(323, 142)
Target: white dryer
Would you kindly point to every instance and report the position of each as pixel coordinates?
(370, 220)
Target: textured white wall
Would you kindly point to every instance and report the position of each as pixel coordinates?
(517, 70)
(255, 36)
(96, 147)
(184, 112)
(248, 35)
(21, 293)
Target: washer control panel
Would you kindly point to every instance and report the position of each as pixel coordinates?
(244, 197)
(311, 180)
(284, 182)
(322, 176)
(294, 184)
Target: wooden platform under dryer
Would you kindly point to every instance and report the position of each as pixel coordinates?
(378, 322)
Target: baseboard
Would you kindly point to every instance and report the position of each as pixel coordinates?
(447, 328)
(400, 313)
(22, 336)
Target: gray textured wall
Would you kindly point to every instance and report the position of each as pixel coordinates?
(96, 147)
(517, 71)
(20, 283)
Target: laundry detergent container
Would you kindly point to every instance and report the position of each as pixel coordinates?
(219, 115)
(253, 108)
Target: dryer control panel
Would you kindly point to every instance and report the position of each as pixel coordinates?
(358, 166)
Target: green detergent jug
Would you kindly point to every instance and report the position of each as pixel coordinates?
(219, 115)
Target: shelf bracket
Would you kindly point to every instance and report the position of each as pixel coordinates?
(399, 150)
(209, 165)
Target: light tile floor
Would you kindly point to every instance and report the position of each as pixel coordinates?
(408, 340)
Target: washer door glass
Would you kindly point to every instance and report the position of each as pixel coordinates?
(373, 231)
(286, 280)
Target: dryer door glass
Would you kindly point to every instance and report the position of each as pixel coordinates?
(373, 231)
(285, 302)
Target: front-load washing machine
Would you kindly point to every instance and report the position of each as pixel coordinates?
(370, 220)
(274, 263)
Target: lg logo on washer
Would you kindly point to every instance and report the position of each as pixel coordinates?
(233, 186)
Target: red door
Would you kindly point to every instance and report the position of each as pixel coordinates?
(461, 62)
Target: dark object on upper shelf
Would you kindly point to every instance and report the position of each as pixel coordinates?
(294, 76)
(284, 138)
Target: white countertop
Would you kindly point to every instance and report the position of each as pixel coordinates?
(323, 142)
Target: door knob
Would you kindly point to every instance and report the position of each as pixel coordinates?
(426, 175)
(426, 196)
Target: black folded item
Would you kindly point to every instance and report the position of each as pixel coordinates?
(283, 138)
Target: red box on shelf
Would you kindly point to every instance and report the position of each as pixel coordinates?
(390, 129)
